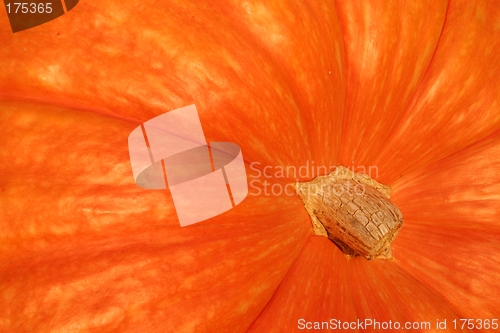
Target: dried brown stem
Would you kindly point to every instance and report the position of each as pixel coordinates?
(354, 211)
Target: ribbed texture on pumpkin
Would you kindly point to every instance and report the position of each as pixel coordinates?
(409, 87)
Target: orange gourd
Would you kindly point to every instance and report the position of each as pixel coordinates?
(410, 88)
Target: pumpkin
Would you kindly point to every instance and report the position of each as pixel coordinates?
(410, 88)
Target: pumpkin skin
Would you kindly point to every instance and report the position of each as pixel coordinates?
(410, 88)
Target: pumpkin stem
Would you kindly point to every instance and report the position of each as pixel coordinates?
(354, 211)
